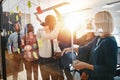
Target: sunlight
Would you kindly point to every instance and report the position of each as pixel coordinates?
(74, 21)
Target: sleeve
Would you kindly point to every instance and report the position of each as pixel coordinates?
(110, 53)
(38, 34)
(56, 47)
(9, 44)
(85, 48)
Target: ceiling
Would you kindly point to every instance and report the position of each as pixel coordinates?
(82, 6)
(73, 4)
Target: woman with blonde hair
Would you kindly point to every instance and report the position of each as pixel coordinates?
(102, 58)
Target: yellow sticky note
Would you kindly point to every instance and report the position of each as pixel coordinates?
(17, 8)
(17, 18)
(11, 32)
(40, 43)
(11, 12)
(29, 4)
(18, 50)
(8, 32)
(35, 55)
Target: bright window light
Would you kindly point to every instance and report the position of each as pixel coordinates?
(74, 21)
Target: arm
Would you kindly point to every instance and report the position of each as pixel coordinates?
(56, 47)
(41, 22)
(66, 50)
(86, 48)
(86, 38)
(80, 50)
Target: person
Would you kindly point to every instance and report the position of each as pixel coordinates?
(82, 41)
(13, 46)
(30, 39)
(67, 59)
(102, 50)
(49, 32)
(87, 36)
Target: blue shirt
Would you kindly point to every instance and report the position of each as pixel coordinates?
(103, 56)
(12, 41)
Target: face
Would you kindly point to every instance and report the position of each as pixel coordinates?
(17, 27)
(99, 22)
(30, 28)
(98, 29)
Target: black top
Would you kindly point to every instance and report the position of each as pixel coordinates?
(103, 56)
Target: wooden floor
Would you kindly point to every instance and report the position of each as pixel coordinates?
(22, 73)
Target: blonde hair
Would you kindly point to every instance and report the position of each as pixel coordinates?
(104, 21)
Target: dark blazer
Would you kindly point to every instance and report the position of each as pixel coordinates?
(102, 55)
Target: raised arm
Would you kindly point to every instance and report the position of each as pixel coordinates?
(39, 20)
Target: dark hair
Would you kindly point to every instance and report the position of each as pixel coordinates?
(50, 20)
(14, 24)
(27, 26)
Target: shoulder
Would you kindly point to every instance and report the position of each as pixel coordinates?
(13, 34)
(110, 41)
(21, 33)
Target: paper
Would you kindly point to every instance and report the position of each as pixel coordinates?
(19, 50)
(17, 8)
(17, 18)
(35, 55)
(40, 43)
(39, 11)
(29, 4)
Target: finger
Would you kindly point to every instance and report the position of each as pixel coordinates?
(76, 66)
(62, 52)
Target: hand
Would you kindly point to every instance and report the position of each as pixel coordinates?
(82, 65)
(37, 17)
(59, 16)
(84, 76)
(27, 48)
(79, 64)
(66, 50)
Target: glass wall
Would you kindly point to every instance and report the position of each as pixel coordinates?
(0, 42)
(77, 17)
(0, 62)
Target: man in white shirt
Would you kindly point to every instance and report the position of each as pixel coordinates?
(49, 32)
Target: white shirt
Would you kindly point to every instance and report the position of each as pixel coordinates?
(44, 43)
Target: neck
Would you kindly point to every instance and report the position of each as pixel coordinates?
(31, 35)
(17, 31)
